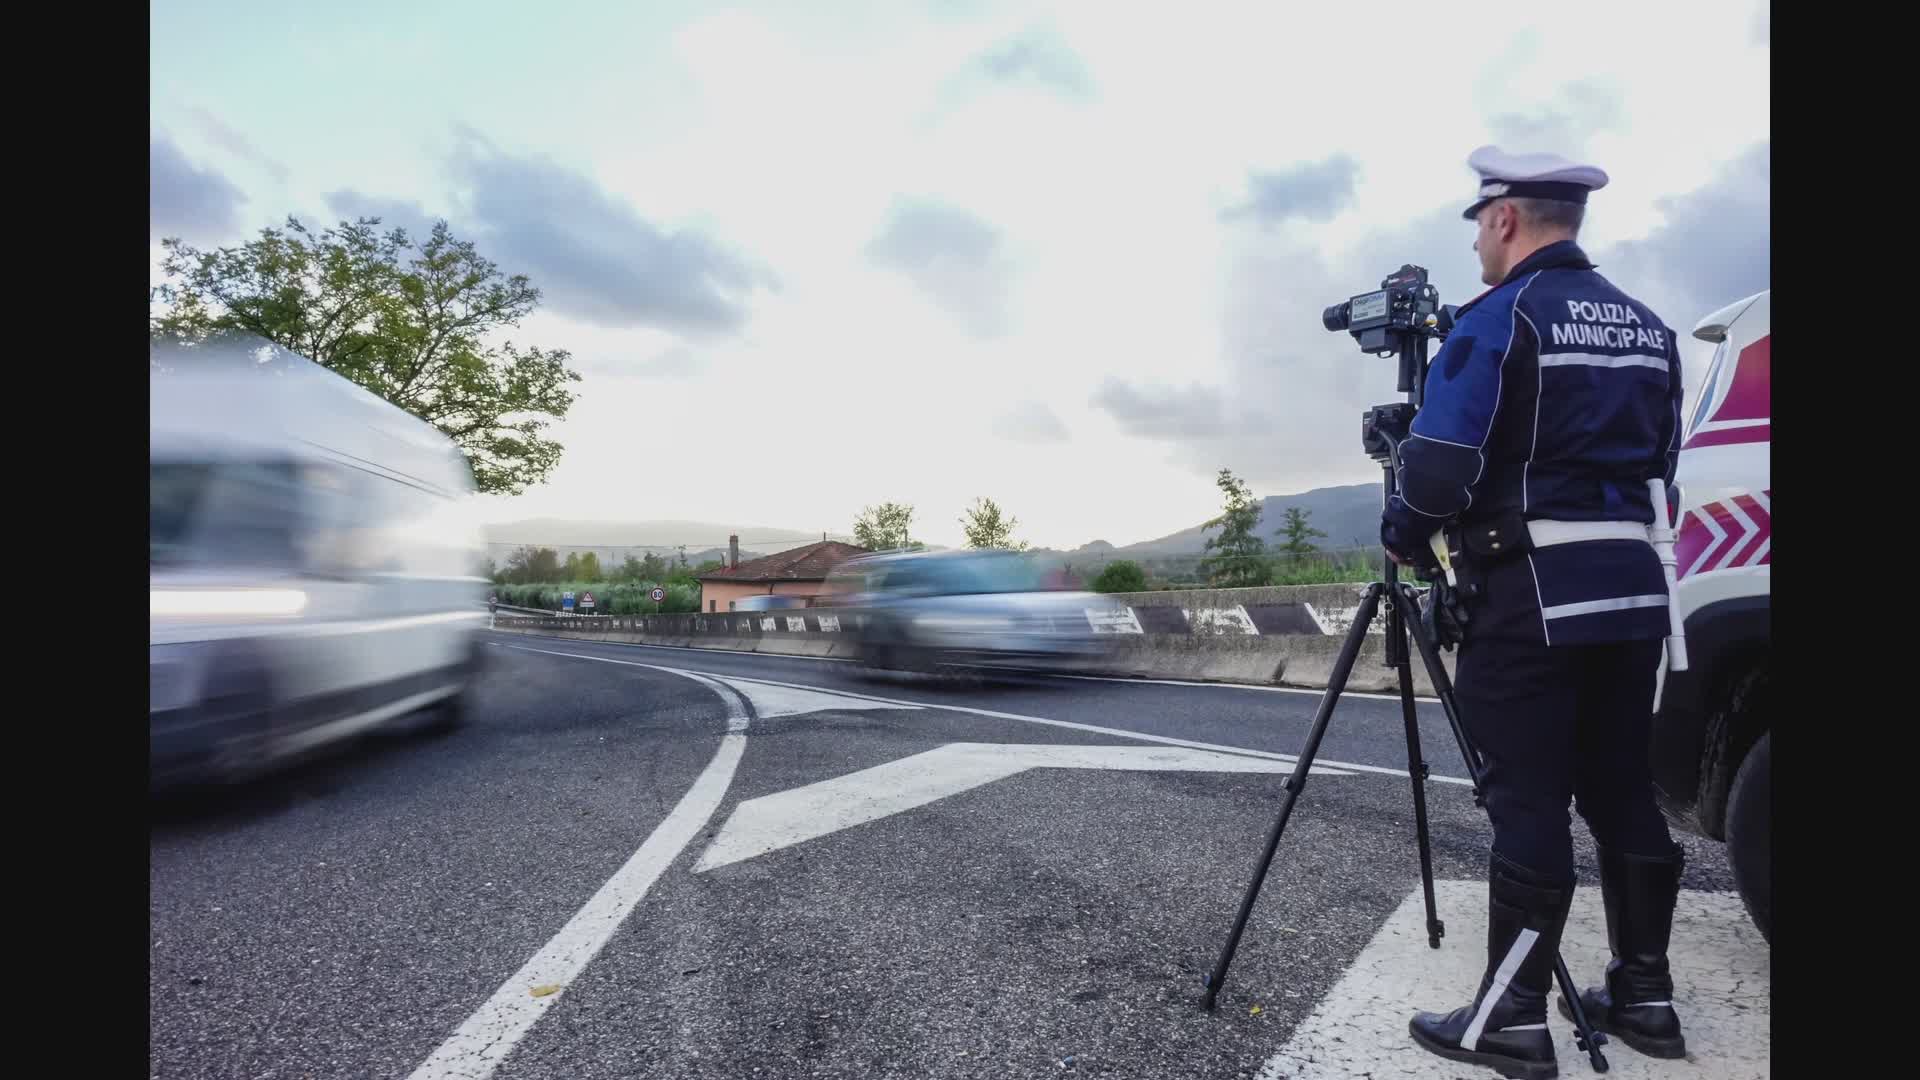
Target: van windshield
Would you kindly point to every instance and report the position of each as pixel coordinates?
(222, 513)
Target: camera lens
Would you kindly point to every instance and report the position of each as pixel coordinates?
(1338, 316)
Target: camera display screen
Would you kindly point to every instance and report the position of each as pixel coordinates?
(1371, 306)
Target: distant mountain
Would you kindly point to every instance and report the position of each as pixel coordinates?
(612, 555)
(1349, 515)
(613, 541)
(658, 535)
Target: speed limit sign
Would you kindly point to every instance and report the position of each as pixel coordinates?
(658, 594)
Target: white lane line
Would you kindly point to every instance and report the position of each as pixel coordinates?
(480, 1044)
(995, 714)
(1043, 675)
(1245, 686)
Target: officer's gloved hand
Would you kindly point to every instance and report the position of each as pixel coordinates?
(1411, 552)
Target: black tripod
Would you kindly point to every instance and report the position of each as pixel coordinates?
(1383, 429)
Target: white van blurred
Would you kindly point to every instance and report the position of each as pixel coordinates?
(312, 563)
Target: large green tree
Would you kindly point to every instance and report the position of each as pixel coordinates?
(413, 322)
(885, 527)
(1240, 560)
(986, 526)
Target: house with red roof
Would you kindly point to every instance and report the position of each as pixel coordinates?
(799, 572)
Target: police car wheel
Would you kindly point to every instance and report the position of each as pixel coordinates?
(1750, 834)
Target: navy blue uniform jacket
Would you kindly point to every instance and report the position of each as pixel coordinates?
(1558, 395)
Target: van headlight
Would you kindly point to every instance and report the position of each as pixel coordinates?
(225, 602)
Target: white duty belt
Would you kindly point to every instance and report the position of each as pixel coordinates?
(1660, 534)
(1548, 533)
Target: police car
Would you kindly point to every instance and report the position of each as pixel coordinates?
(1712, 751)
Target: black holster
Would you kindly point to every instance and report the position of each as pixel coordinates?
(1490, 539)
(1444, 616)
(1472, 547)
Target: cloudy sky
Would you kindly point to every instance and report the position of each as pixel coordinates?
(810, 257)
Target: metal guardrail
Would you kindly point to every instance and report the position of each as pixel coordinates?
(525, 610)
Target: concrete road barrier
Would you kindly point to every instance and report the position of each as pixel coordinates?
(1285, 635)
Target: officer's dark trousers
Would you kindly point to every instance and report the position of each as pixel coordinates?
(1560, 725)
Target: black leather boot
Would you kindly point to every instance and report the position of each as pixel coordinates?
(1636, 1004)
(1505, 1029)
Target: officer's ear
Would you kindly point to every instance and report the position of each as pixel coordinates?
(1503, 219)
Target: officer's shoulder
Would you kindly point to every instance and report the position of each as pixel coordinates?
(1491, 309)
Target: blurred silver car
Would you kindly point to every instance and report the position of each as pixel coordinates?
(934, 611)
(311, 563)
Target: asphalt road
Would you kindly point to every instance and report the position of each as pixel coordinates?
(784, 869)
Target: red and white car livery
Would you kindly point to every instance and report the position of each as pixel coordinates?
(1725, 469)
(1712, 751)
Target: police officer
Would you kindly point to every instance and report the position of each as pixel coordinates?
(1553, 401)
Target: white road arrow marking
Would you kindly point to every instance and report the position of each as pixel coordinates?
(795, 816)
(741, 684)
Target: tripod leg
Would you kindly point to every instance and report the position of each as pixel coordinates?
(1397, 621)
(1584, 1034)
(1342, 667)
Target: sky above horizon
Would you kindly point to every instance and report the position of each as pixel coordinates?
(1069, 256)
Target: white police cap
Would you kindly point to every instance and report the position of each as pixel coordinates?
(1530, 176)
